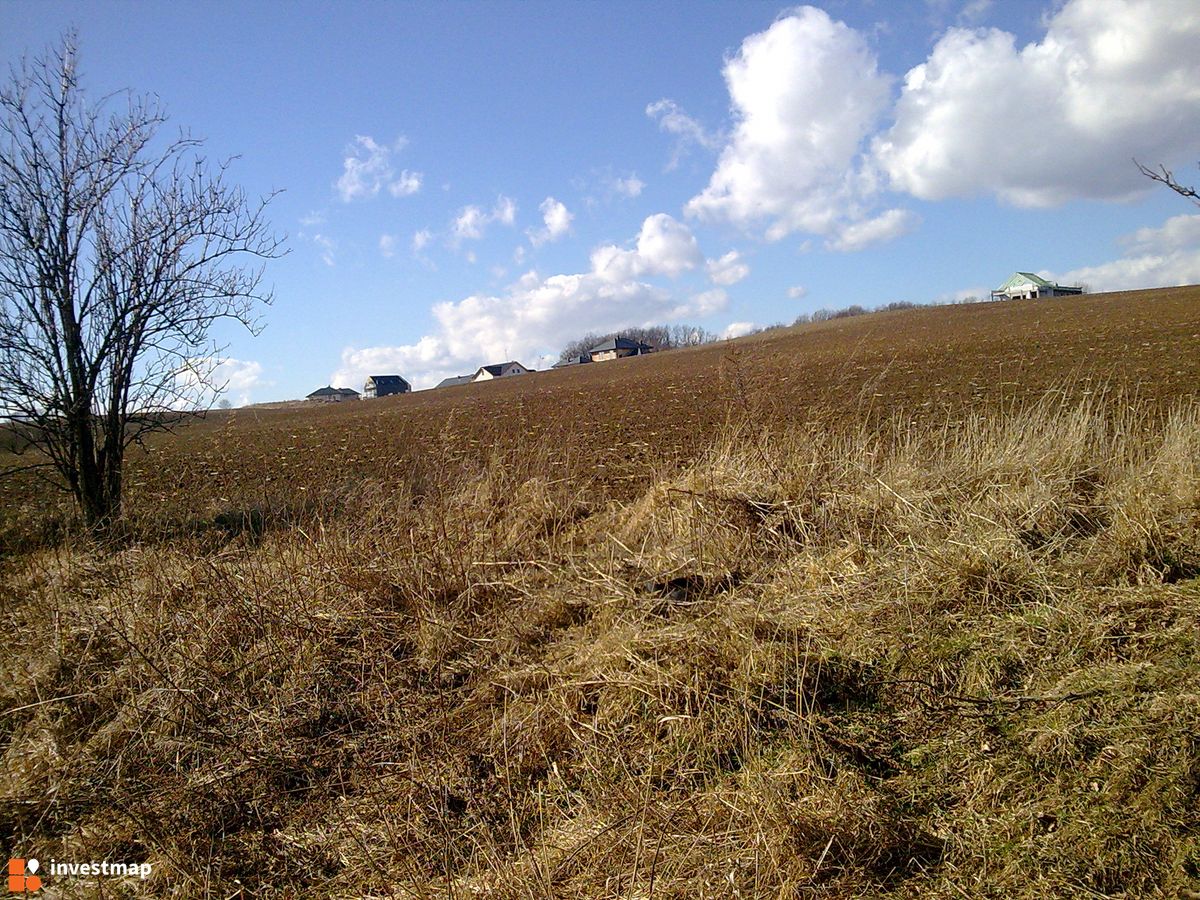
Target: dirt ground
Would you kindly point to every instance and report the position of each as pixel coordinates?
(622, 420)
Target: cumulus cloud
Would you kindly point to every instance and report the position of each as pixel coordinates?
(505, 211)
(367, 169)
(887, 226)
(387, 245)
(421, 239)
(472, 221)
(406, 184)
(974, 11)
(664, 247)
(202, 380)
(1154, 257)
(239, 377)
(806, 94)
(797, 292)
(558, 222)
(1177, 233)
(738, 329)
(1054, 120)
(727, 270)
(537, 314)
(699, 305)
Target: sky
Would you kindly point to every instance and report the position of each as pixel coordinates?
(468, 183)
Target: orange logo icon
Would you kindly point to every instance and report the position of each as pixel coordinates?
(18, 881)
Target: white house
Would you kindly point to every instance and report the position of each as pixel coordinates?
(500, 370)
(332, 395)
(617, 348)
(1027, 286)
(384, 386)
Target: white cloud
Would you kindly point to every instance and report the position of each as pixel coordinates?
(738, 329)
(407, 184)
(539, 314)
(700, 305)
(387, 245)
(630, 186)
(887, 226)
(688, 132)
(472, 221)
(797, 292)
(1054, 120)
(1177, 233)
(974, 11)
(505, 211)
(202, 380)
(421, 239)
(558, 222)
(328, 249)
(806, 93)
(727, 270)
(1155, 257)
(963, 295)
(367, 168)
(240, 377)
(664, 247)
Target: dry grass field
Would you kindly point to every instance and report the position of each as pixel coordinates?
(905, 605)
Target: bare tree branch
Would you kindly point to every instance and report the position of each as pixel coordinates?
(117, 258)
(1163, 175)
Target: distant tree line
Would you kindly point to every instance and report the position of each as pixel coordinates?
(670, 337)
(660, 337)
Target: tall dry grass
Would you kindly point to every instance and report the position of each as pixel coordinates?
(941, 662)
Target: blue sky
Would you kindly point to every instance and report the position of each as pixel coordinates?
(465, 183)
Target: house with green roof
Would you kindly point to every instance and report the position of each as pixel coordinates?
(1027, 286)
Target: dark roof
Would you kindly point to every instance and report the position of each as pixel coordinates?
(328, 391)
(496, 369)
(572, 361)
(620, 343)
(387, 380)
(456, 379)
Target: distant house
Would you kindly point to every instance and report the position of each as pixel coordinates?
(332, 395)
(1027, 286)
(618, 347)
(455, 380)
(499, 370)
(384, 386)
(572, 361)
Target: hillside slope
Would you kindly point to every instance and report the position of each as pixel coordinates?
(931, 632)
(625, 420)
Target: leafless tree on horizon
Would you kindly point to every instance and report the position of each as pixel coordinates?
(120, 250)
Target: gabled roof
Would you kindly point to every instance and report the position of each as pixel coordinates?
(455, 379)
(572, 361)
(387, 380)
(620, 343)
(328, 391)
(498, 369)
(1025, 278)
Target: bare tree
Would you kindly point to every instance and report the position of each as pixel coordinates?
(120, 249)
(1163, 175)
